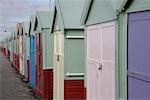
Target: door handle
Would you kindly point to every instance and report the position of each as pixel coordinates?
(100, 66)
(57, 57)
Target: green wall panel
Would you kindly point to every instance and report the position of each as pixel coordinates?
(48, 48)
(74, 53)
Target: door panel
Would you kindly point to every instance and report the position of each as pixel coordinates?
(94, 53)
(108, 61)
(139, 55)
(108, 42)
(25, 58)
(101, 62)
(92, 81)
(32, 62)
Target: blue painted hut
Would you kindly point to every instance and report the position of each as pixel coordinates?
(32, 68)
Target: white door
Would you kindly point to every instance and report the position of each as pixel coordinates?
(58, 66)
(101, 62)
(21, 55)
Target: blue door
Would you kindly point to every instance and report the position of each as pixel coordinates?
(139, 56)
(32, 62)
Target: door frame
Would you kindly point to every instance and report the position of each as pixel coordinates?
(58, 93)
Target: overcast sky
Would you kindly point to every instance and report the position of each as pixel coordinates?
(13, 11)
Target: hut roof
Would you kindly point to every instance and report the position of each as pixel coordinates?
(70, 12)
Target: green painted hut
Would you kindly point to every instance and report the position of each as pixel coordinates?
(69, 55)
(107, 29)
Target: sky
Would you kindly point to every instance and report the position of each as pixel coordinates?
(13, 11)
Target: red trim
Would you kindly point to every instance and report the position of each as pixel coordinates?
(17, 62)
(28, 67)
(74, 89)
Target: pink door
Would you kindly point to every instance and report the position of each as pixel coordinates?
(101, 62)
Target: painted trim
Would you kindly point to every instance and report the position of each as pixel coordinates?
(121, 8)
(86, 11)
(44, 68)
(117, 85)
(68, 74)
(138, 9)
(124, 6)
(58, 8)
(74, 37)
(122, 56)
(57, 12)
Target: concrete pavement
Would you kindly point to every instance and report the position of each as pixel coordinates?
(11, 86)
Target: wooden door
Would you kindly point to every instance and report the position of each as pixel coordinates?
(39, 60)
(21, 55)
(93, 61)
(139, 56)
(101, 62)
(58, 66)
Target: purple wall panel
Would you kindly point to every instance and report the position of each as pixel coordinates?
(138, 90)
(139, 54)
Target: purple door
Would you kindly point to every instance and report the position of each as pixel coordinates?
(139, 56)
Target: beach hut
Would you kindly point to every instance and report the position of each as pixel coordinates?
(28, 52)
(44, 54)
(5, 47)
(12, 51)
(69, 56)
(99, 18)
(2, 46)
(20, 48)
(123, 20)
(32, 68)
(10, 46)
(15, 51)
(134, 37)
(25, 27)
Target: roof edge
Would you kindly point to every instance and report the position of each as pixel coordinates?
(86, 10)
(125, 4)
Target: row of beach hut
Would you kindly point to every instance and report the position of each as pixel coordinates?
(85, 50)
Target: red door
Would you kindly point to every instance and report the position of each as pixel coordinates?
(39, 75)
